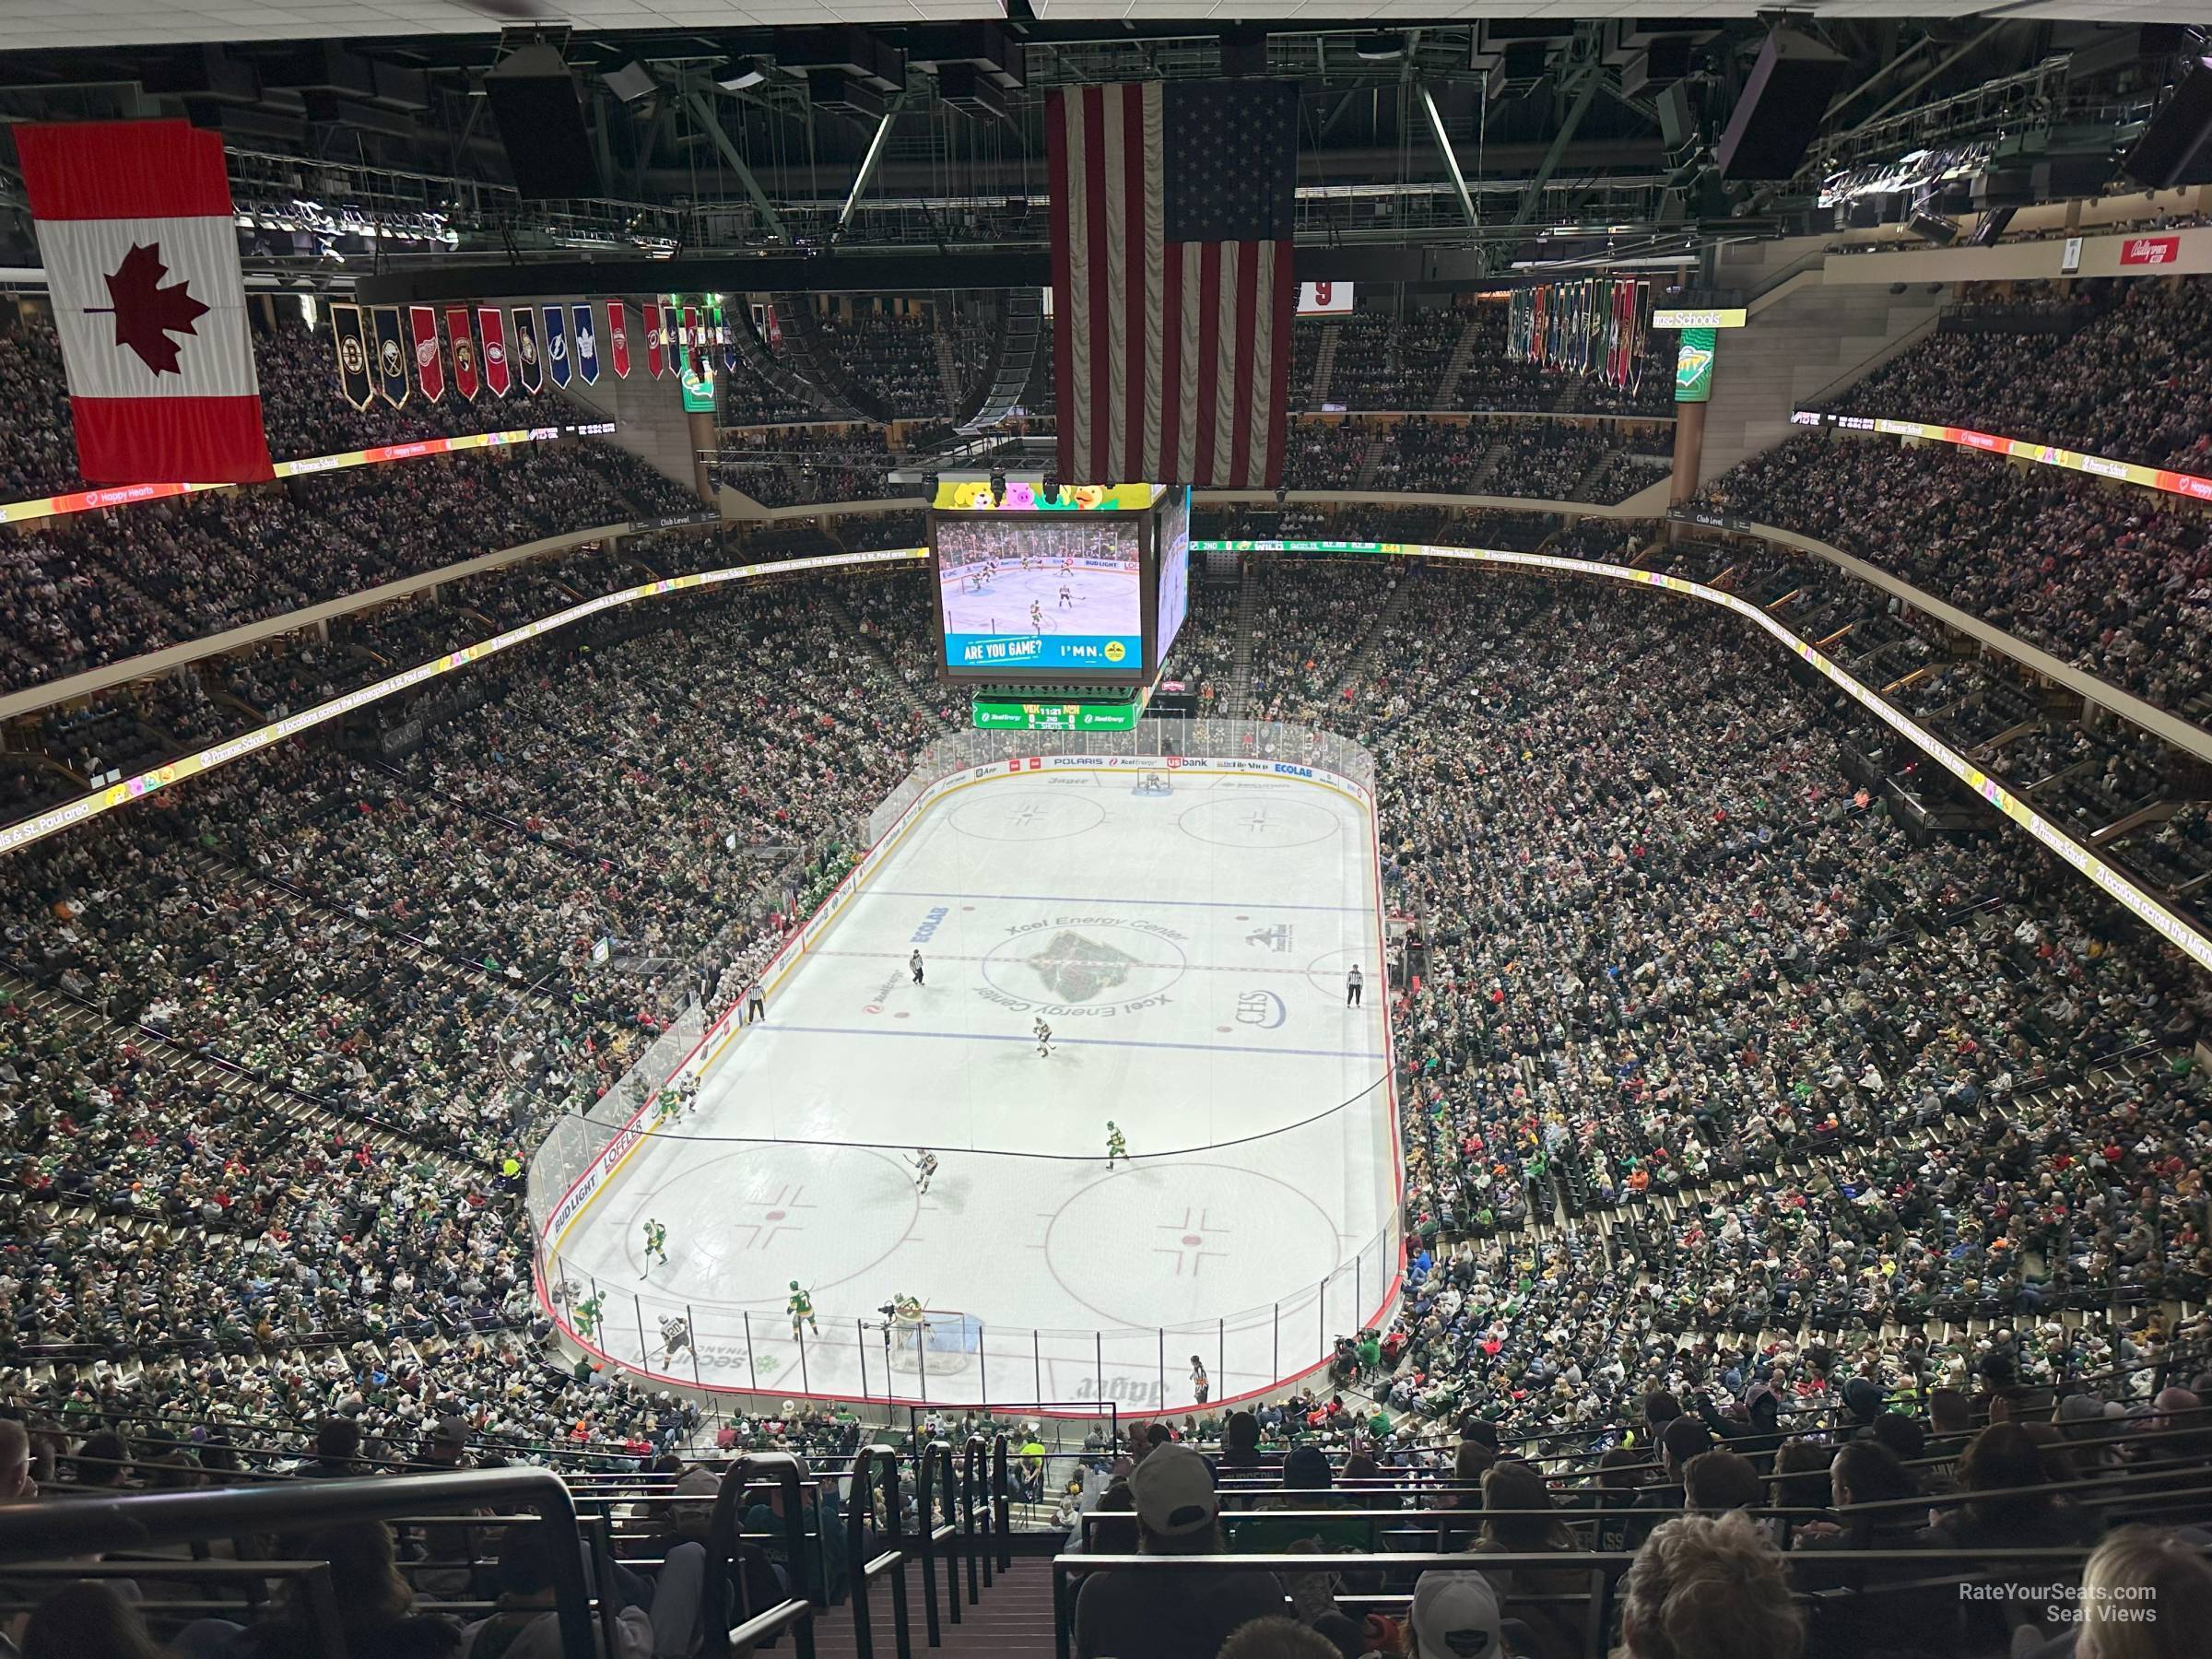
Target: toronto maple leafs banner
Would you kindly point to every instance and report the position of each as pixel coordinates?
(430, 362)
(350, 345)
(392, 354)
(557, 344)
(617, 339)
(464, 343)
(135, 233)
(587, 348)
(529, 361)
(498, 373)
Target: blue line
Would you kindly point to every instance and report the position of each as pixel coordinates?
(772, 1027)
(1351, 909)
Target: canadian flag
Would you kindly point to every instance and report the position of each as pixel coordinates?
(141, 256)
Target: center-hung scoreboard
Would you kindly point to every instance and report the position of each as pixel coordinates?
(1052, 597)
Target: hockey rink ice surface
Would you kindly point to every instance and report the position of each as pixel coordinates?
(1099, 601)
(1189, 952)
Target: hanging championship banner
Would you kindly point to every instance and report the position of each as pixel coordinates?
(465, 351)
(391, 355)
(617, 339)
(695, 356)
(653, 339)
(351, 343)
(430, 362)
(556, 344)
(726, 333)
(587, 348)
(499, 375)
(529, 361)
(672, 340)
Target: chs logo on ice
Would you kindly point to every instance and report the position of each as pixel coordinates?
(929, 924)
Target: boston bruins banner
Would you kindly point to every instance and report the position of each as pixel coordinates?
(349, 339)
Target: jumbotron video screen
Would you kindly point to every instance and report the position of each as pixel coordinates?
(1061, 593)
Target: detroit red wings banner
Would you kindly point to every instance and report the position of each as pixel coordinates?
(492, 323)
(430, 362)
(134, 229)
(1171, 222)
(617, 339)
(465, 351)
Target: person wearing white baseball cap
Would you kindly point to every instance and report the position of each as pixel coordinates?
(1138, 1615)
(1455, 1615)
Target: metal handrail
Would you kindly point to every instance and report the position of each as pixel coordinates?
(865, 1462)
(724, 1594)
(1002, 1504)
(935, 1484)
(135, 1519)
(975, 1461)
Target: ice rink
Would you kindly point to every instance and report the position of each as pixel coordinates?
(1189, 952)
(1101, 599)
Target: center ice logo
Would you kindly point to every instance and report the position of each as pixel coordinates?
(1076, 969)
(1069, 965)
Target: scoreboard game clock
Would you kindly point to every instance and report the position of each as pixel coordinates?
(1039, 586)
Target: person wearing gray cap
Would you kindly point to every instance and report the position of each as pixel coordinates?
(1137, 1614)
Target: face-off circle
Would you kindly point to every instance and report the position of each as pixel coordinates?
(1036, 814)
(766, 1215)
(1258, 823)
(1085, 961)
(1154, 1245)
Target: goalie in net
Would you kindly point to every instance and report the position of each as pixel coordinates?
(1154, 783)
(933, 1340)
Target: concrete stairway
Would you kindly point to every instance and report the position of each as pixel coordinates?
(1463, 353)
(1805, 334)
(1012, 1619)
(1324, 362)
(648, 416)
(1240, 673)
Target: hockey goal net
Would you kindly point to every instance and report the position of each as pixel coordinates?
(934, 1341)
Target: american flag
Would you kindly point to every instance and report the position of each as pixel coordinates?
(1172, 282)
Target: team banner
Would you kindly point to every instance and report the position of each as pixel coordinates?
(499, 375)
(391, 354)
(617, 339)
(695, 344)
(430, 362)
(672, 340)
(728, 335)
(587, 348)
(464, 343)
(1693, 366)
(556, 344)
(529, 361)
(653, 339)
(350, 340)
